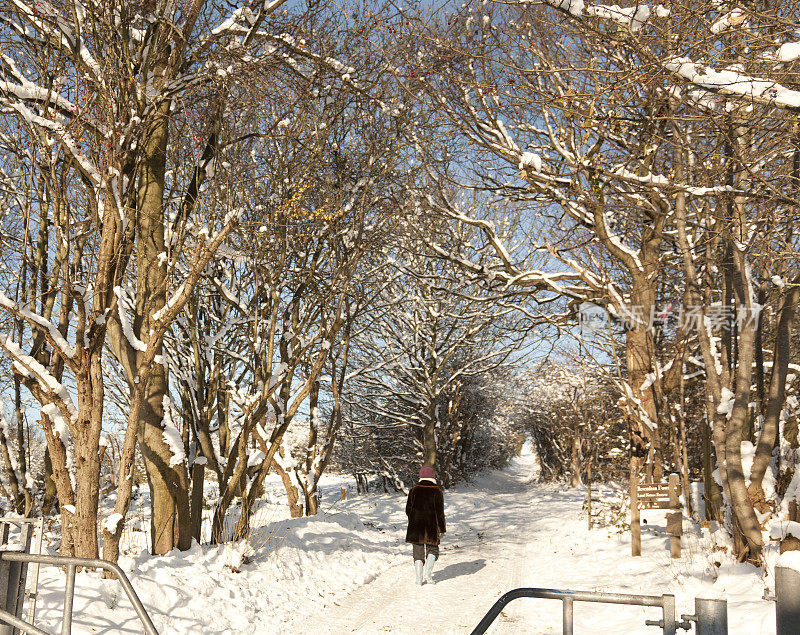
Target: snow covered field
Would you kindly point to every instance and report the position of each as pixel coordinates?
(349, 570)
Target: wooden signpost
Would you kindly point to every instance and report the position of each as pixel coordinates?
(657, 496)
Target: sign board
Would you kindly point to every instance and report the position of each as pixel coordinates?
(657, 496)
(654, 496)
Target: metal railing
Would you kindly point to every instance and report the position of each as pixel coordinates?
(14, 579)
(71, 565)
(711, 615)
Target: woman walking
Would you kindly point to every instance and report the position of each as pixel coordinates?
(425, 511)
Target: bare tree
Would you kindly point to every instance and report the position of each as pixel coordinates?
(439, 331)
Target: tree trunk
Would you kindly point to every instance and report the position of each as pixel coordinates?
(170, 520)
(774, 399)
(335, 420)
(698, 296)
(575, 478)
(87, 496)
(292, 491)
(310, 468)
(429, 437)
(22, 449)
(234, 473)
(639, 355)
(87, 461)
(49, 485)
(127, 464)
(66, 495)
(312, 503)
(684, 449)
(9, 473)
(222, 418)
(169, 487)
(196, 505)
(746, 523)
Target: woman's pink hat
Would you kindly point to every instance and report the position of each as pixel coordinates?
(426, 471)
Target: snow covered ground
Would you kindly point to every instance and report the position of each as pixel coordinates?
(349, 571)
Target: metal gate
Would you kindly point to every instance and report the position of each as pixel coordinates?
(710, 616)
(71, 565)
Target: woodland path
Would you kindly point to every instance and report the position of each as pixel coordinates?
(495, 531)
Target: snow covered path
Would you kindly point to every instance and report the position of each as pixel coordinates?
(483, 555)
(348, 570)
(505, 531)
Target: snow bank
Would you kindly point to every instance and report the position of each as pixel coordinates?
(285, 570)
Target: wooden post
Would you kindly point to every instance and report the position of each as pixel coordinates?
(636, 527)
(675, 519)
(343, 494)
(575, 479)
(589, 491)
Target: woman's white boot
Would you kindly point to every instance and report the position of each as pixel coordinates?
(429, 561)
(418, 568)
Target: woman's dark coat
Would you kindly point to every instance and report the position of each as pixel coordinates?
(425, 511)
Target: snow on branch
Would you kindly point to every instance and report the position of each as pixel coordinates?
(605, 288)
(53, 24)
(54, 336)
(173, 301)
(661, 182)
(731, 83)
(207, 247)
(513, 275)
(26, 90)
(62, 135)
(111, 523)
(28, 367)
(230, 296)
(633, 17)
(124, 303)
(19, 470)
(229, 25)
(244, 22)
(733, 18)
(726, 82)
(613, 242)
(788, 52)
